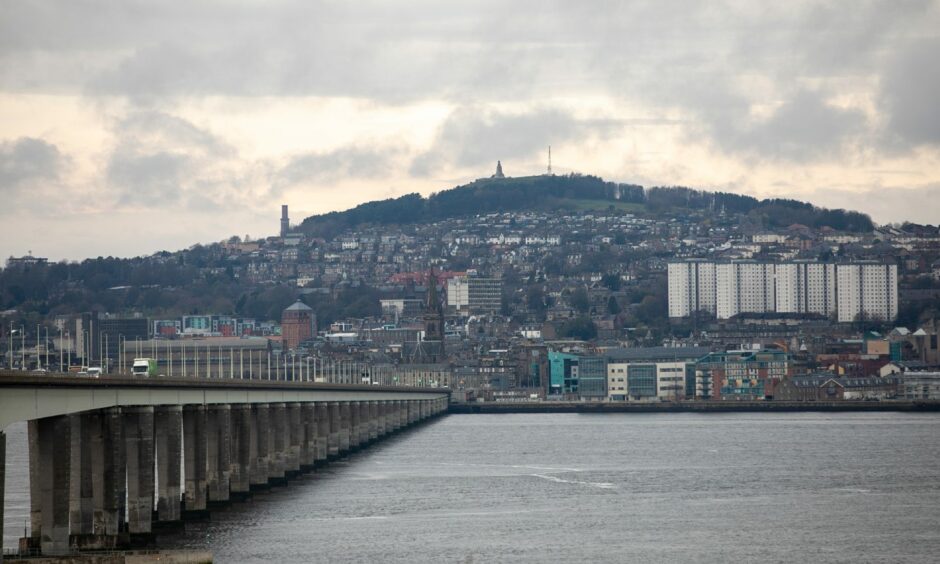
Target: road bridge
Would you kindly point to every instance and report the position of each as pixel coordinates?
(113, 459)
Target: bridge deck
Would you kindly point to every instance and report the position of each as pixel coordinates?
(25, 396)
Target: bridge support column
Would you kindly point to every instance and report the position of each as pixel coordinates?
(308, 445)
(108, 477)
(344, 422)
(35, 491)
(322, 414)
(259, 446)
(219, 455)
(54, 444)
(82, 502)
(277, 445)
(381, 408)
(373, 420)
(168, 421)
(3, 469)
(240, 484)
(355, 424)
(398, 420)
(138, 440)
(194, 454)
(333, 439)
(296, 434)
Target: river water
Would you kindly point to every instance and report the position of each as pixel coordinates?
(811, 487)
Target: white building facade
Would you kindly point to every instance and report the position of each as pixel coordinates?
(845, 291)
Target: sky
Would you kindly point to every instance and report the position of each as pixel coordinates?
(132, 127)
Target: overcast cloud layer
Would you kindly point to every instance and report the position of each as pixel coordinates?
(130, 127)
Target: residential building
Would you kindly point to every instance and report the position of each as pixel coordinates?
(848, 291)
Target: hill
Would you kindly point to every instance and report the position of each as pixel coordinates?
(576, 192)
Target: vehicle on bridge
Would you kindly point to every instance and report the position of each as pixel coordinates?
(144, 367)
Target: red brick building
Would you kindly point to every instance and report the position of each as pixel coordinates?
(298, 323)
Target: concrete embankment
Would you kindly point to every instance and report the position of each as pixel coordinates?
(693, 406)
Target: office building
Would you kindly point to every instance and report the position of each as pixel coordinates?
(473, 295)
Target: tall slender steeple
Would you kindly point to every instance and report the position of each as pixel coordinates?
(434, 311)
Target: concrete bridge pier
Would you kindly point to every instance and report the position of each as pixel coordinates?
(81, 494)
(399, 414)
(322, 414)
(258, 472)
(296, 443)
(355, 425)
(373, 421)
(219, 452)
(3, 469)
(333, 439)
(277, 447)
(54, 443)
(108, 477)
(343, 427)
(169, 428)
(239, 483)
(381, 419)
(138, 440)
(308, 444)
(195, 449)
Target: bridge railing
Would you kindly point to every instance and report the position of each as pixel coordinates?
(239, 364)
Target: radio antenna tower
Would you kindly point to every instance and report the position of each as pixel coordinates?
(549, 160)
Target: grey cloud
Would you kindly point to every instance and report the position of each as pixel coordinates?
(697, 58)
(918, 204)
(162, 160)
(804, 128)
(27, 159)
(151, 128)
(910, 93)
(324, 167)
(473, 136)
(149, 179)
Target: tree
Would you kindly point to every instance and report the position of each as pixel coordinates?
(579, 300)
(613, 307)
(578, 328)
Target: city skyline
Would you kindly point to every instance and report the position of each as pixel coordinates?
(120, 124)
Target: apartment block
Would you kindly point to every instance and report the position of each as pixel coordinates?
(845, 291)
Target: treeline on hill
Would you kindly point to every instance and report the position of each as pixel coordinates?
(171, 287)
(774, 212)
(481, 196)
(538, 192)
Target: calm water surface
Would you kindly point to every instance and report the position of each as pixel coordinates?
(805, 487)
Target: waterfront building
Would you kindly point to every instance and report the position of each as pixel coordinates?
(740, 375)
(649, 373)
(563, 370)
